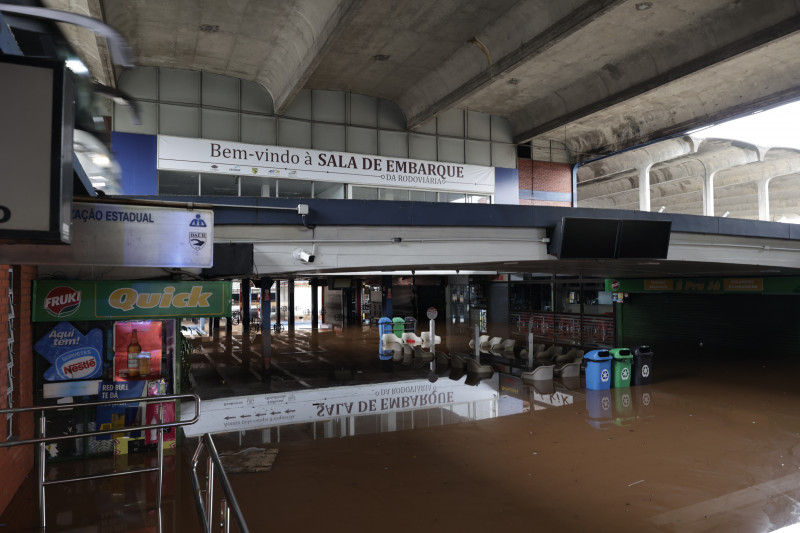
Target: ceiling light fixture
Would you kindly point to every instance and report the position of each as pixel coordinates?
(726, 214)
(644, 6)
(662, 209)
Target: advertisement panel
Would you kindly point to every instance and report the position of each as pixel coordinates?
(223, 157)
(73, 355)
(137, 350)
(57, 300)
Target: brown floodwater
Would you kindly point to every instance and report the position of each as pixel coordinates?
(712, 445)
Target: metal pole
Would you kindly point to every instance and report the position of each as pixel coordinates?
(42, 457)
(476, 336)
(210, 491)
(530, 350)
(226, 517)
(160, 456)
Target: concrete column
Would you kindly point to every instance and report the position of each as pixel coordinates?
(215, 329)
(290, 317)
(763, 199)
(229, 335)
(644, 187)
(278, 301)
(244, 306)
(314, 305)
(708, 193)
(358, 288)
(266, 329)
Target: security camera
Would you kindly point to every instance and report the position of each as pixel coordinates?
(303, 256)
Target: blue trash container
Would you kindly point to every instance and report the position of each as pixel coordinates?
(384, 326)
(598, 370)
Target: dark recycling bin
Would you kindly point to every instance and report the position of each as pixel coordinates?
(384, 326)
(642, 365)
(621, 367)
(598, 370)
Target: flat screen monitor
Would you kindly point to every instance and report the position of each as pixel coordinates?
(588, 238)
(643, 239)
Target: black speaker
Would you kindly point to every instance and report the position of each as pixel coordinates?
(231, 259)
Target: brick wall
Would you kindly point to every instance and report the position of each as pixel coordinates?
(16, 462)
(543, 177)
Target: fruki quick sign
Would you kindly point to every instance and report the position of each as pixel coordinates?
(122, 300)
(72, 354)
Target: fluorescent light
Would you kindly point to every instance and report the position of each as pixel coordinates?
(98, 181)
(101, 160)
(77, 66)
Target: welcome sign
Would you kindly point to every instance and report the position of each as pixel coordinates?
(203, 155)
(55, 301)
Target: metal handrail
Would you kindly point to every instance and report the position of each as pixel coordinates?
(41, 441)
(205, 509)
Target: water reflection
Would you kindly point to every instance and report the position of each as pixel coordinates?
(353, 410)
(385, 407)
(619, 407)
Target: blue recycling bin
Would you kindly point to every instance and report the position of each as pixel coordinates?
(384, 326)
(598, 370)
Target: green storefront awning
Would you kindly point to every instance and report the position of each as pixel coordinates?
(55, 300)
(780, 285)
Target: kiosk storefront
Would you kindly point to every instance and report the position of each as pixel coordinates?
(103, 340)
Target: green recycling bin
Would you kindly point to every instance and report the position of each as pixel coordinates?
(398, 326)
(621, 362)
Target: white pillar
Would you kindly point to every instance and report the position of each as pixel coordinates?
(644, 187)
(763, 199)
(708, 193)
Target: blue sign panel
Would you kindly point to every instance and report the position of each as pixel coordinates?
(72, 354)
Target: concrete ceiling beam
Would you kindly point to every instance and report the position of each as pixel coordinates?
(666, 103)
(328, 33)
(521, 35)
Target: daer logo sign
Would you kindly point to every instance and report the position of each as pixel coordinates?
(127, 299)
